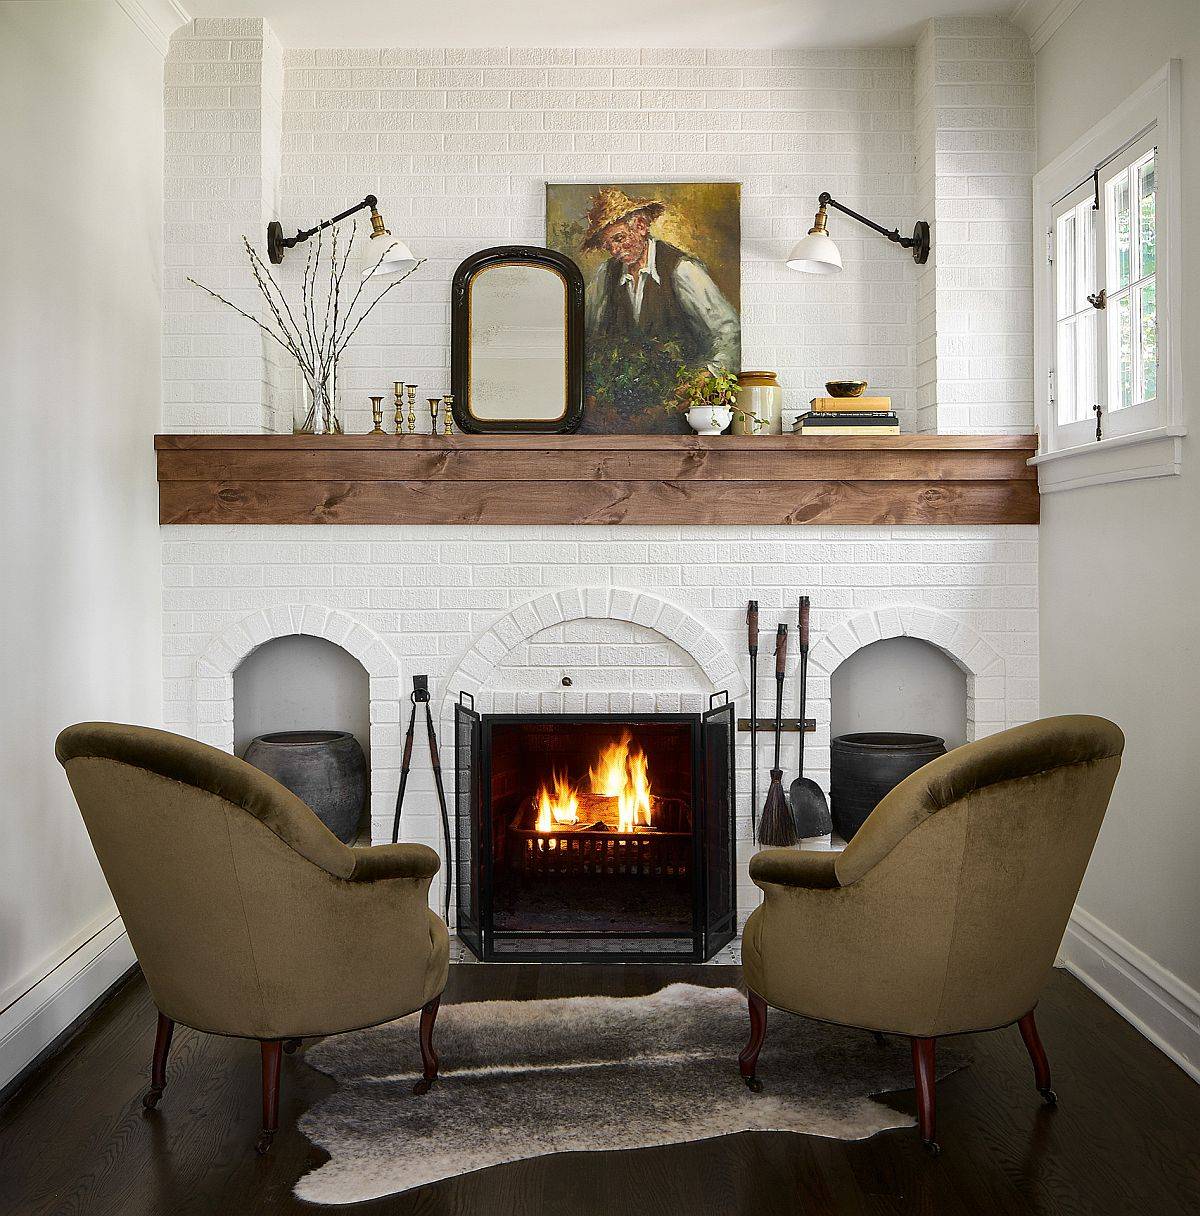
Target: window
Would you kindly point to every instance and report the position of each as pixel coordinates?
(1105, 300)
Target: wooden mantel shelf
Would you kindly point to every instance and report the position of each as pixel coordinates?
(595, 479)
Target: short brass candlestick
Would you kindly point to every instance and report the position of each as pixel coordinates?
(412, 409)
(448, 414)
(377, 416)
(435, 404)
(398, 391)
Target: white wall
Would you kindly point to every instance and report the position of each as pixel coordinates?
(901, 684)
(1120, 580)
(80, 91)
(300, 683)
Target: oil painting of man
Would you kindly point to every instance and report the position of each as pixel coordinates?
(663, 285)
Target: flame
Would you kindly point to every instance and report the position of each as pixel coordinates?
(621, 773)
(559, 807)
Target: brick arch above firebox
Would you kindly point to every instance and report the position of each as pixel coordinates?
(213, 705)
(475, 673)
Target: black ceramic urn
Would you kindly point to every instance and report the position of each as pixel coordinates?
(865, 767)
(325, 768)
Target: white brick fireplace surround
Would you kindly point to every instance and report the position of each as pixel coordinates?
(458, 144)
(639, 618)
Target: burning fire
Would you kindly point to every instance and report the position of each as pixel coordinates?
(621, 774)
(561, 807)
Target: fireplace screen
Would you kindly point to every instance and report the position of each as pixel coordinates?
(580, 835)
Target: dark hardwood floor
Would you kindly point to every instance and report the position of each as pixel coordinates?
(1123, 1140)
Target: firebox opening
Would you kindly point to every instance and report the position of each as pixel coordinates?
(592, 827)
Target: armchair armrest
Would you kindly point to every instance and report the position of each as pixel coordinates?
(794, 868)
(394, 861)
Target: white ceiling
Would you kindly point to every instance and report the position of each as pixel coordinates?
(594, 23)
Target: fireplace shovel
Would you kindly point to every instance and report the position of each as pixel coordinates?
(809, 808)
(777, 827)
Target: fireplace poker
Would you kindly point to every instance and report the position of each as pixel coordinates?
(752, 640)
(420, 696)
(777, 827)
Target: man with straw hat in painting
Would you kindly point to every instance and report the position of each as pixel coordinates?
(649, 289)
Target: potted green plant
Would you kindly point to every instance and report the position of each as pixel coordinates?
(708, 396)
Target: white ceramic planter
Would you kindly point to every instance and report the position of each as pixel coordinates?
(707, 420)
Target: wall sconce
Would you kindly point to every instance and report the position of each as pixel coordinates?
(817, 254)
(397, 260)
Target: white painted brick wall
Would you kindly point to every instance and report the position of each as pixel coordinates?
(974, 122)
(640, 618)
(459, 143)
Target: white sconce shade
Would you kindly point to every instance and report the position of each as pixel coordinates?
(815, 254)
(398, 260)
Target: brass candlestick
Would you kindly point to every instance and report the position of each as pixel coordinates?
(435, 404)
(398, 391)
(412, 409)
(448, 414)
(377, 416)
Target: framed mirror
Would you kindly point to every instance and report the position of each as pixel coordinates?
(516, 343)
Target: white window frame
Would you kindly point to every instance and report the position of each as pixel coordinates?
(1142, 440)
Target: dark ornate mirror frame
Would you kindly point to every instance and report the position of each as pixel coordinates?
(460, 339)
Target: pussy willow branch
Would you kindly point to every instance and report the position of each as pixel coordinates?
(293, 334)
(259, 266)
(315, 343)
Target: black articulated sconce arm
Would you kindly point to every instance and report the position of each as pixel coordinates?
(277, 243)
(918, 242)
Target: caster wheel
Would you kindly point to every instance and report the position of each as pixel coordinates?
(150, 1100)
(1049, 1097)
(423, 1086)
(262, 1146)
(932, 1147)
(753, 1084)
(291, 1046)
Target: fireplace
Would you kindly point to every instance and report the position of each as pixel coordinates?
(581, 836)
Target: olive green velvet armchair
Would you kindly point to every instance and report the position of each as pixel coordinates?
(945, 912)
(247, 915)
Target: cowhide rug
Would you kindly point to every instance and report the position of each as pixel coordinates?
(526, 1079)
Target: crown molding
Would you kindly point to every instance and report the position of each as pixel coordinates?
(157, 19)
(1040, 18)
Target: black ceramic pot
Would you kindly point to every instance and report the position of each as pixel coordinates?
(865, 767)
(325, 768)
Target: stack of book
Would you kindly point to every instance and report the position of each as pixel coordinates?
(848, 416)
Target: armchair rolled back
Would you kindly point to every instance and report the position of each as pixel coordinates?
(187, 836)
(995, 836)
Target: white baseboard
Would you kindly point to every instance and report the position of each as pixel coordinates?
(1143, 992)
(38, 1016)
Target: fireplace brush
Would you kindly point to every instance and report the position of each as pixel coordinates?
(420, 696)
(777, 827)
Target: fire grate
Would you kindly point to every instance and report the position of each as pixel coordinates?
(602, 854)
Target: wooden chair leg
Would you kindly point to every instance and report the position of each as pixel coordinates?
(748, 1060)
(158, 1070)
(429, 1057)
(1037, 1053)
(272, 1057)
(923, 1052)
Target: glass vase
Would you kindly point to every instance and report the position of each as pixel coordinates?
(318, 410)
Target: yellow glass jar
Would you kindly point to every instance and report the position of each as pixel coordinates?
(761, 398)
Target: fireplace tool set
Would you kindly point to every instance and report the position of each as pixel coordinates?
(420, 696)
(803, 811)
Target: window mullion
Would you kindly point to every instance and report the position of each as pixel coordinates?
(1100, 254)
